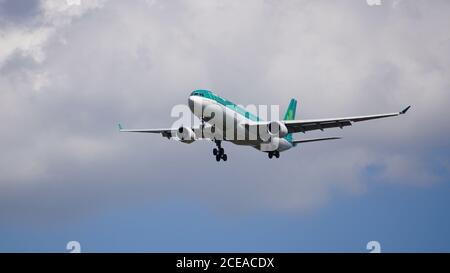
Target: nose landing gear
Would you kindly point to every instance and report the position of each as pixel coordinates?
(219, 152)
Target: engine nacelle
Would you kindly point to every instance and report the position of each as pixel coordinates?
(275, 144)
(277, 129)
(186, 135)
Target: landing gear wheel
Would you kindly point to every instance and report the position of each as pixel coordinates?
(277, 154)
(219, 152)
(270, 154)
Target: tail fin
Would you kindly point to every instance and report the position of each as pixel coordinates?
(290, 115)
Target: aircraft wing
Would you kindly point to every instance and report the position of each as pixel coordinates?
(295, 126)
(166, 132)
(170, 132)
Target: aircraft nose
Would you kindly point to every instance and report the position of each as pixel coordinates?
(191, 103)
(195, 103)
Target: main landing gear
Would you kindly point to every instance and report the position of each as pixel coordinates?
(274, 153)
(219, 152)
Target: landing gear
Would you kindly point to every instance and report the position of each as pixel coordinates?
(274, 153)
(219, 152)
(203, 126)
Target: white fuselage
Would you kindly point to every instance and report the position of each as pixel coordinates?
(231, 125)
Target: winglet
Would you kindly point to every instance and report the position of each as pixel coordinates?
(120, 127)
(405, 110)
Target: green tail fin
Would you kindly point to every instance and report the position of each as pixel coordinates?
(290, 115)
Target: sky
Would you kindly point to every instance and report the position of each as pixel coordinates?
(71, 70)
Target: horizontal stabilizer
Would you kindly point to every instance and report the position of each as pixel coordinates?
(314, 139)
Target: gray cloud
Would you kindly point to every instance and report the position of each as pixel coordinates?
(90, 67)
(18, 11)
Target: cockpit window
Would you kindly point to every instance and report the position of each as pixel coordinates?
(200, 93)
(197, 94)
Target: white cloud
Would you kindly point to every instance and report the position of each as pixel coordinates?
(27, 42)
(57, 12)
(29, 39)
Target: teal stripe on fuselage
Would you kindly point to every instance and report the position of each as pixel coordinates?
(210, 95)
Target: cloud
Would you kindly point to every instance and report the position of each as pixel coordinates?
(18, 11)
(28, 24)
(69, 76)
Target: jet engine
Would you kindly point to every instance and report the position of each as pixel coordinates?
(277, 128)
(186, 134)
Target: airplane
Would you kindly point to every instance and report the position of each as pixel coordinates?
(271, 137)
